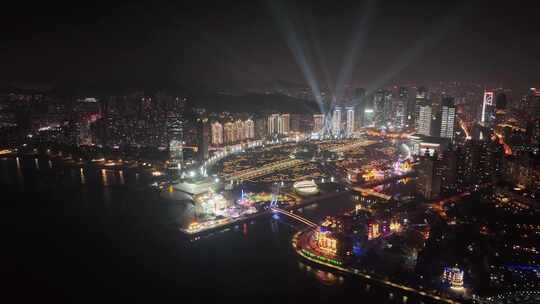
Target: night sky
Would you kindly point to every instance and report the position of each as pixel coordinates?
(243, 45)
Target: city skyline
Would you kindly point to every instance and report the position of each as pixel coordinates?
(271, 151)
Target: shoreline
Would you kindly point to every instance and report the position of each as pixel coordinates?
(355, 272)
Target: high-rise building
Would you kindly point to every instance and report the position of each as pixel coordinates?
(422, 93)
(399, 105)
(318, 123)
(203, 138)
(533, 103)
(284, 122)
(423, 122)
(349, 129)
(175, 133)
(448, 115)
(488, 109)
(260, 127)
(448, 170)
(336, 121)
(229, 132)
(272, 124)
(249, 128)
(420, 100)
(239, 133)
(429, 182)
(217, 133)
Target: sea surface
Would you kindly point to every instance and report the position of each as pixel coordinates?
(87, 235)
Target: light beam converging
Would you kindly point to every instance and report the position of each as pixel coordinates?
(355, 49)
(316, 41)
(294, 42)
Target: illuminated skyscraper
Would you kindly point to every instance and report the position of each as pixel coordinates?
(448, 114)
(217, 134)
(420, 100)
(175, 134)
(318, 123)
(349, 130)
(399, 110)
(488, 109)
(336, 121)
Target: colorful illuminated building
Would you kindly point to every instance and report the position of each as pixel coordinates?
(326, 242)
(453, 276)
(373, 230)
(395, 226)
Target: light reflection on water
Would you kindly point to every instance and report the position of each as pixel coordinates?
(83, 177)
(324, 277)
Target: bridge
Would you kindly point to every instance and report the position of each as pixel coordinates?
(371, 192)
(294, 216)
(387, 180)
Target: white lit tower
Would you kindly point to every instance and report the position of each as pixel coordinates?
(423, 122)
(336, 121)
(272, 124)
(488, 109)
(349, 129)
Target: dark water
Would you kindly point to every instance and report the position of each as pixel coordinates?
(72, 239)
